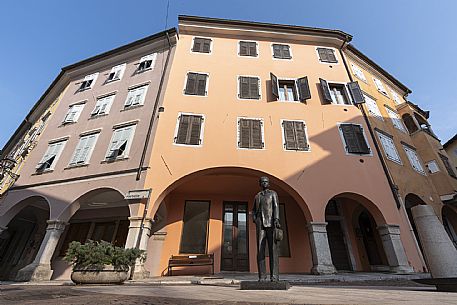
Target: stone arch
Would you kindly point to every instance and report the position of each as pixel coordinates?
(23, 203)
(409, 123)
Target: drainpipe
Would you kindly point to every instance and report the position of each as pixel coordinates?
(154, 112)
(392, 185)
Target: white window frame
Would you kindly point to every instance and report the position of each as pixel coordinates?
(295, 86)
(92, 77)
(77, 114)
(348, 94)
(380, 86)
(432, 169)
(356, 70)
(323, 62)
(273, 52)
(343, 140)
(115, 69)
(202, 129)
(206, 86)
(143, 97)
(257, 47)
(390, 149)
(56, 155)
(126, 152)
(284, 139)
(372, 107)
(409, 151)
(90, 149)
(210, 45)
(110, 98)
(152, 57)
(395, 97)
(262, 130)
(396, 120)
(238, 90)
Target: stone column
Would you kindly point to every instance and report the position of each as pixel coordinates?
(439, 251)
(132, 239)
(393, 247)
(40, 268)
(155, 252)
(322, 259)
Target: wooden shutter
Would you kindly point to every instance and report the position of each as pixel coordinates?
(300, 134)
(325, 91)
(76, 155)
(191, 83)
(254, 88)
(363, 146)
(354, 138)
(277, 51)
(356, 93)
(331, 56)
(244, 48)
(183, 129)
(115, 143)
(89, 143)
(245, 133)
(195, 129)
(256, 134)
(244, 87)
(201, 84)
(303, 89)
(322, 54)
(274, 85)
(252, 49)
(197, 45)
(206, 46)
(286, 52)
(289, 135)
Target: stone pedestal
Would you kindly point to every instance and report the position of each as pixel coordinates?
(264, 285)
(141, 232)
(439, 251)
(393, 247)
(322, 258)
(40, 268)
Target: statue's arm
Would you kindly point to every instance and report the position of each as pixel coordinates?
(254, 208)
(276, 208)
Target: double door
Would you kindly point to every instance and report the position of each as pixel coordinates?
(235, 251)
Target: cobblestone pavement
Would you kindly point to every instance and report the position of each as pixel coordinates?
(205, 294)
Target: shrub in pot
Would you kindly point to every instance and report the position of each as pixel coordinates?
(101, 262)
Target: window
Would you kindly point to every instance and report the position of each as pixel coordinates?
(354, 139)
(414, 159)
(189, 130)
(84, 149)
(388, 145)
(447, 165)
(88, 82)
(294, 135)
(51, 156)
(120, 143)
(358, 72)
(249, 87)
(136, 96)
(395, 96)
(147, 62)
(250, 133)
(432, 166)
(103, 105)
(340, 94)
(116, 73)
(281, 51)
(196, 84)
(202, 45)
(398, 123)
(290, 90)
(372, 107)
(380, 86)
(73, 114)
(195, 227)
(248, 48)
(327, 55)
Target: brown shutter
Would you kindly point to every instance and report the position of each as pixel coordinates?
(289, 135)
(245, 133)
(201, 84)
(206, 46)
(277, 51)
(303, 89)
(197, 45)
(350, 138)
(363, 146)
(244, 50)
(195, 129)
(253, 49)
(325, 91)
(183, 128)
(356, 93)
(274, 85)
(302, 143)
(244, 87)
(331, 56)
(322, 54)
(256, 134)
(286, 52)
(254, 87)
(191, 83)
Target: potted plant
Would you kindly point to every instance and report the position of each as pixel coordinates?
(101, 262)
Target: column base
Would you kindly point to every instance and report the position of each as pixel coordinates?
(140, 273)
(401, 269)
(323, 269)
(34, 273)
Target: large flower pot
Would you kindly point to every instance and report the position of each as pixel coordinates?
(106, 276)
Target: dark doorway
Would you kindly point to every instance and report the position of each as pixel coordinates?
(336, 238)
(235, 253)
(368, 231)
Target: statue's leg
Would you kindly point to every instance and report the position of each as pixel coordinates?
(273, 255)
(261, 241)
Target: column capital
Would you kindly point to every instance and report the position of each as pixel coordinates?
(55, 224)
(317, 227)
(391, 229)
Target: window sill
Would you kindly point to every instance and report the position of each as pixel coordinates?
(328, 62)
(106, 161)
(93, 117)
(279, 58)
(67, 123)
(76, 166)
(112, 81)
(144, 70)
(132, 107)
(85, 89)
(204, 95)
(46, 171)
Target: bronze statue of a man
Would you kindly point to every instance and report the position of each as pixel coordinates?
(265, 214)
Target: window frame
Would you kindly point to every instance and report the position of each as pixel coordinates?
(368, 97)
(284, 138)
(355, 67)
(326, 62)
(125, 153)
(238, 133)
(343, 140)
(56, 156)
(145, 58)
(88, 77)
(112, 96)
(76, 116)
(248, 56)
(297, 100)
(202, 129)
(202, 37)
(428, 167)
(397, 118)
(91, 149)
(207, 226)
(380, 134)
(259, 83)
(206, 85)
(143, 98)
(395, 97)
(120, 68)
(407, 148)
(283, 44)
(382, 85)
(346, 90)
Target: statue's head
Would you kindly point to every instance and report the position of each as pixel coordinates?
(264, 182)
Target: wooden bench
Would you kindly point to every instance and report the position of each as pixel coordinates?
(191, 260)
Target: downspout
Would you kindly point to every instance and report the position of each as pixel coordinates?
(392, 185)
(154, 112)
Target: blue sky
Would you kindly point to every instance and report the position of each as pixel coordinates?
(413, 40)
